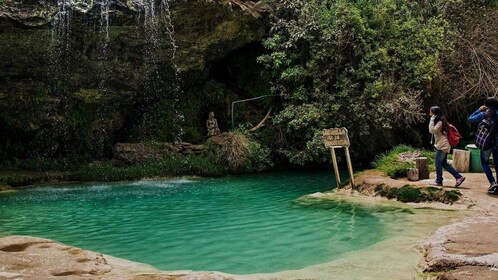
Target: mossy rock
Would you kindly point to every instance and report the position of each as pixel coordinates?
(408, 193)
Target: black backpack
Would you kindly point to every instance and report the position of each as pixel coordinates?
(486, 131)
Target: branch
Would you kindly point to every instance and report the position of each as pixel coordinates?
(261, 123)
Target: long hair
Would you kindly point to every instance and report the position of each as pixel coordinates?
(436, 110)
(491, 102)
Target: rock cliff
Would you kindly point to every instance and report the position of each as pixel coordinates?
(92, 73)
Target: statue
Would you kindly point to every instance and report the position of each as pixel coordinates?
(212, 125)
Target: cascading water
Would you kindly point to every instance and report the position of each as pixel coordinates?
(170, 29)
(104, 69)
(156, 33)
(158, 26)
(59, 65)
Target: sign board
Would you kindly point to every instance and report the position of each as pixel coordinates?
(336, 137)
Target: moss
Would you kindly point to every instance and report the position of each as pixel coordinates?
(89, 95)
(408, 193)
(379, 187)
(392, 193)
(452, 196)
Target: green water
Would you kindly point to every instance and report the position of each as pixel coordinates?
(236, 225)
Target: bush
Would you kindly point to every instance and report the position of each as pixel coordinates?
(239, 153)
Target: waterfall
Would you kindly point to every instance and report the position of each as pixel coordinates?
(59, 74)
(155, 30)
(157, 25)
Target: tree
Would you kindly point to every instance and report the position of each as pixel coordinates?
(365, 65)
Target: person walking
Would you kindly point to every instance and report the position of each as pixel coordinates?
(488, 111)
(438, 127)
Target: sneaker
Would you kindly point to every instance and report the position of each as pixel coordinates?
(459, 181)
(493, 188)
(435, 184)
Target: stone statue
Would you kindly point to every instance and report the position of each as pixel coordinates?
(212, 125)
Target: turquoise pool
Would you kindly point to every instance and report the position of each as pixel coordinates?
(237, 225)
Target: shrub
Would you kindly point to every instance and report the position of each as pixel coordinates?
(239, 153)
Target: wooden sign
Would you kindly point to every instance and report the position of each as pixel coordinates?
(335, 137)
(338, 138)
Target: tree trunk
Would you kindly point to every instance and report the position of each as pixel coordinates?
(461, 160)
(423, 167)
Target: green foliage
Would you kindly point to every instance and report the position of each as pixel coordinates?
(44, 164)
(173, 165)
(363, 65)
(389, 162)
(259, 158)
(408, 193)
(214, 162)
(240, 153)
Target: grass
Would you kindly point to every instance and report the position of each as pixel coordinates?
(389, 164)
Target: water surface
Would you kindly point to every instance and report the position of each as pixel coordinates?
(239, 225)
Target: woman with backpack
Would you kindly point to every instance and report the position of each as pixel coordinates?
(438, 126)
(487, 119)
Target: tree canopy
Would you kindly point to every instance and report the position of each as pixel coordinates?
(367, 65)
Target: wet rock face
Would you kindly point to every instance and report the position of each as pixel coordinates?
(28, 13)
(84, 81)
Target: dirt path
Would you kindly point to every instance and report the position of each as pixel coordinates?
(465, 250)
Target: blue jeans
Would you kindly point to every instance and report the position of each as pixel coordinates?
(485, 163)
(440, 163)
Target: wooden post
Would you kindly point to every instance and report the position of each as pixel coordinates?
(350, 167)
(423, 167)
(461, 160)
(336, 168)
